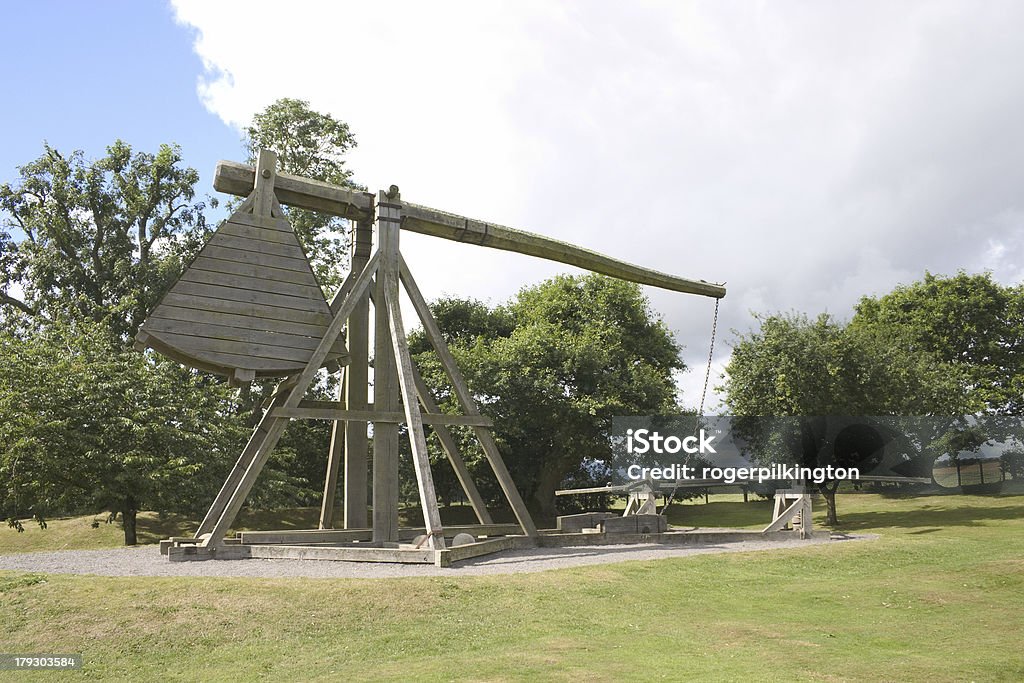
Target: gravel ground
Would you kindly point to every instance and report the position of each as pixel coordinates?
(147, 561)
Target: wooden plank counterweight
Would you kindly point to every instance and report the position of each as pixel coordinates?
(238, 179)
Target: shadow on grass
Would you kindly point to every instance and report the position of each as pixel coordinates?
(928, 517)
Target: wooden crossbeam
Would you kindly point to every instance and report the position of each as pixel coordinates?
(238, 179)
(304, 413)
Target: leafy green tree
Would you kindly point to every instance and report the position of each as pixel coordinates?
(552, 367)
(969, 321)
(310, 144)
(793, 366)
(98, 240)
(88, 426)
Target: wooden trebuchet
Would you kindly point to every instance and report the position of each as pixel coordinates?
(238, 179)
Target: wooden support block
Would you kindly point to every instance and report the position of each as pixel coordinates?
(348, 554)
(586, 520)
(445, 558)
(635, 524)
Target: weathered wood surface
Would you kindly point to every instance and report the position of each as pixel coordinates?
(390, 417)
(446, 557)
(335, 454)
(427, 221)
(298, 536)
(238, 179)
(385, 398)
(357, 449)
(249, 303)
(307, 194)
(414, 418)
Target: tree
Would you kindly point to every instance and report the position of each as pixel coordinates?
(311, 144)
(98, 240)
(813, 369)
(970, 322)
(89, 426)
(552, 367)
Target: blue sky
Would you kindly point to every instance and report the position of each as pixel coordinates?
(81, 74)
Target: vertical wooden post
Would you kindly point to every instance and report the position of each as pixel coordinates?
(407, 384)
(334, 454)
(357, 381)
(385, 385)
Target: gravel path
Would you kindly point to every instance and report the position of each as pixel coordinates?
(147, 561)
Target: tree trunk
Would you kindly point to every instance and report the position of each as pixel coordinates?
(829, 493)
(550, 476)
(128, 514)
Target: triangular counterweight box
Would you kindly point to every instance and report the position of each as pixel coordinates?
(248, 305)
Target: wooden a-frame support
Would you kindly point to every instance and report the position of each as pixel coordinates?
(375, 276)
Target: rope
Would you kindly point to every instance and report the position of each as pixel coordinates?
(703, 397)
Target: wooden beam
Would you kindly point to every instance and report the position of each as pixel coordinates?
(304, 193)
(395, 417)
(385, 398)
(427, 221)
(403, 364)
(357, 380)
(308, 194)
(267, 428)
(335, 454)
(298, 536)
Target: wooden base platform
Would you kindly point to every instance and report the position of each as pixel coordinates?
(354, 545)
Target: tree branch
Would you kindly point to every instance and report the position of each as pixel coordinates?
(6, 299)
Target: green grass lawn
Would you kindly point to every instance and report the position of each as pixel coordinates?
(938, 597)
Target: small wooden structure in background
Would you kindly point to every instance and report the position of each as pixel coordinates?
(248, 306)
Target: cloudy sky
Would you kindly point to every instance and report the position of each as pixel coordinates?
(804, 153)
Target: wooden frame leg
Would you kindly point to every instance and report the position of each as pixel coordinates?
(466, 400)
(420, 457)
(335, 454)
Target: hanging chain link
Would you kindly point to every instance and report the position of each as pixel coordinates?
(703, 397)
(711, 354)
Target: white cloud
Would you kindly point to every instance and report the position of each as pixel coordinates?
(805, 153)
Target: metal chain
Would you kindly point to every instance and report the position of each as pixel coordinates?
(711, 354)
(703, 397)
